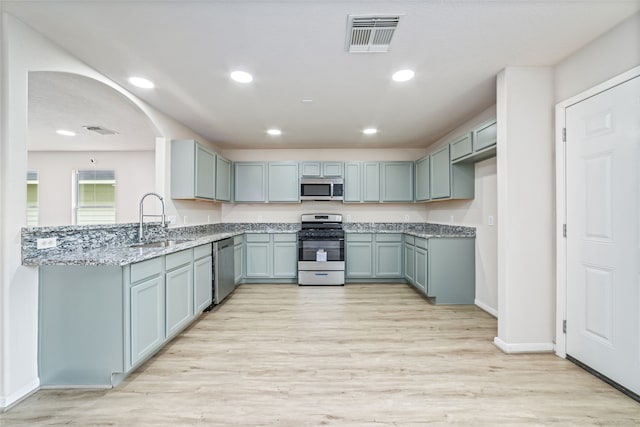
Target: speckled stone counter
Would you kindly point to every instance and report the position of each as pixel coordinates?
(418, 229)
(111, 244)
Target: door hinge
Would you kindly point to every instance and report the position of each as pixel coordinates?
(564, 134)
(564, 230)
(564, 326)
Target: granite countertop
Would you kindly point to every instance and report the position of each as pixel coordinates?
(113, 248)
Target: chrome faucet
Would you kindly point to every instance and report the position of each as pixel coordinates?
(142, 215)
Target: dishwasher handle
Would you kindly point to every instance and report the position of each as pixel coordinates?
(225, 243)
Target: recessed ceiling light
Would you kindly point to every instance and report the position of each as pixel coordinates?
(241, 77)
(65, 132)
(403, 75)
(274, 132)
(141, 82)
(370, 131)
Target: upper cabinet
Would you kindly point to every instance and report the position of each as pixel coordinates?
(321, 169)
(422, 179)
(198, 173)
(223, 179)
(374, 182)
(481, 144)
(261, 182)
(193, 169)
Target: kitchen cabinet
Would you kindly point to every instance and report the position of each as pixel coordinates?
(250, 179)
(422, 180)
(409, 259)
(397, 181)
(238, 258)
(321, 169)
(443, 268)
(374, 182)
(447, 180)
(373, 256)
(283, 182)
(271, 256)
(223, 179)
(178, 291)
(193, 171)
(98, 323)
(202, 279)
(462, 146)
(482, 144)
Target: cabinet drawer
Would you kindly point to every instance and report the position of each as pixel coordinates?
(202, 251)
(421, 243)
(238, 240)
(142, 270)
(360, 237)
(485, 136)
(409, 239)
(391, 237)
(179, 258)
(250, 238)
(461, 147)
(285, 237)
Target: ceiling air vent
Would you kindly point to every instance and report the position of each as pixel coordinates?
(100, 130)
(370, 33)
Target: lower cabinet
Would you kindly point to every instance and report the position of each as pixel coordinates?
(238, 258)
(98, 323)
(271, 257)
(373, 256)
(443, 268)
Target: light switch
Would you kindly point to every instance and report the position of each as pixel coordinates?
(490, 220)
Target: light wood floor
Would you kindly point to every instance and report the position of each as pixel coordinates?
(360, 355)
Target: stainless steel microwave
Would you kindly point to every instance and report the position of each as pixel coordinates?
(321, 189)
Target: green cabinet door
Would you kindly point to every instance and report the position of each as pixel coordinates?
(283, 182)
(311, 169)
(205, 173)
(223, 179)
(440, 174)
(485, 136)
(202, 284)
(461, 147)
(179, 298)
(353, 182)
(409, 263)
(422, 180)
(250, 182)
(388, 256)
(331, 169)
(421, 268)
(258, 257)
(397, 181)
(285, 259)
(147, 318)
(359, 256)
(238, 261)
(371, 182)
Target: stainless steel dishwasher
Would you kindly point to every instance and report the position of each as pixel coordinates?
(224, 278)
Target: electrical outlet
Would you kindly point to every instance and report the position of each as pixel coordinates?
(184, 219)
(348, 218)
(451, 220)
(406, 218)
(47, 243)
(490, 220)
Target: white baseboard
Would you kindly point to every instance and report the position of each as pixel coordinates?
(542, 347)
(6, 402)
(492, 311)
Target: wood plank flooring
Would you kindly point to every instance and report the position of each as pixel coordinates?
(359, 355)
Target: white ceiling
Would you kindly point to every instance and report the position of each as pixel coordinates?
(296, 50)
(69, 102)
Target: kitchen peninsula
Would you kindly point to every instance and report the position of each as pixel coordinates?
(107, 305)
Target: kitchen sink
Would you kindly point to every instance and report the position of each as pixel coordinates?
(159, 244)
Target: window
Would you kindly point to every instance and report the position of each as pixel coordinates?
(95, 197)
(32, 199)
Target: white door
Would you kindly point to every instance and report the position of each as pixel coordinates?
(603, 280)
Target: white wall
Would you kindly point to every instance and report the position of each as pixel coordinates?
(353, 212)
(24, 50)
(526, 207)
(475, 213)
(614, 52)
(134, 171)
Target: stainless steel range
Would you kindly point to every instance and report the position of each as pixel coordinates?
(321, 250)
